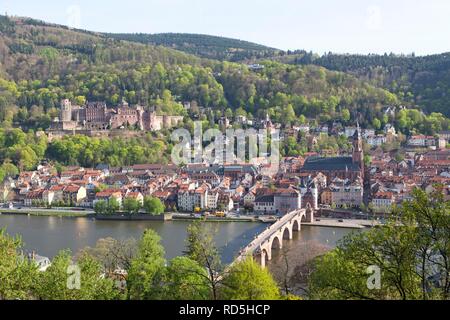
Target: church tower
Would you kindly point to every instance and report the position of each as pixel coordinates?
(358, 153)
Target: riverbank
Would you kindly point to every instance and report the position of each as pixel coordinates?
(134, 217)
(187, 217)
(72, 213)
(343, 223)
(47, 212)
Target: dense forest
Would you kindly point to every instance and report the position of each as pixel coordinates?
(205, 46)
(422, 81)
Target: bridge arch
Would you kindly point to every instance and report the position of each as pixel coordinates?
(297, 224)
(276, 243)
(286, 232)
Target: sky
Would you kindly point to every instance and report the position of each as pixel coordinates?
(340, 26)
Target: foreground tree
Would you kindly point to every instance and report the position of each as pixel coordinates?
(248, 281)
(431, 215)
(17, 273)
(411, 253)
(185, 279)
(65, 280)
(113, 254)
(147, 269)
(201, 248)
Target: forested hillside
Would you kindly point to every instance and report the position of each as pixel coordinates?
(41, 64)
(422, 81)
(205, 46)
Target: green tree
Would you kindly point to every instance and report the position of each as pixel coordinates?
(248, 281)
(345, 115)
(410, 251)
(376, 123)
(113, 254)
(201, 248)
(101, 207)
(59, 281)
(131, 206)
(17, 274)
(185, 279)
(113, 206)
(153, 206)
(147, 269)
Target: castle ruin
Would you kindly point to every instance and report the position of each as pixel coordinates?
(96, 116)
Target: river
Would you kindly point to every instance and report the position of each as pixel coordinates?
(48, 235)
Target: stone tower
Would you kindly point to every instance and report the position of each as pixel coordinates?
(66, 111)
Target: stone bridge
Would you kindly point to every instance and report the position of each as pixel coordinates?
(272, 238)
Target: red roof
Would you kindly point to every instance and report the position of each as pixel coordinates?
(383, 195)
(107, 193)
(133, 195)
(72, 188)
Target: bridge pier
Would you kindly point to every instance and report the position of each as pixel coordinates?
(263, 259)
(309, 215)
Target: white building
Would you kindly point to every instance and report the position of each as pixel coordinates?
(304, 128)
(383, 201)
(193, 200)
(421, 141)
(376, 141)
(213, 198)
(249, 199)
(350, 131)
(368, 133)
(346, 194)
(265, 204)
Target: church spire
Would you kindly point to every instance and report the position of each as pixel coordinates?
(358, 154)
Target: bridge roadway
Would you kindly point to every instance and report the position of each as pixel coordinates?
(273, 236)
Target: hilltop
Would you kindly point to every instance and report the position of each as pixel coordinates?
(206, 46)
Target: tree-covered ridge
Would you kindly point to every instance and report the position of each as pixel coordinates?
(419, 80)
(206, 46)
(308, 90)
